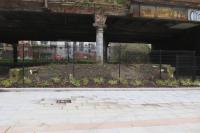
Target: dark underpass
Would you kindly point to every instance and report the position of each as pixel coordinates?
(172, 32)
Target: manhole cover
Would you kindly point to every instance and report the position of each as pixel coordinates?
(63, 101)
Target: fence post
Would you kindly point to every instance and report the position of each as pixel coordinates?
(68, 52)
(194, 68)
(177, 67)
(23, 63)
(119, 62)
(160, 64)
(73, 60)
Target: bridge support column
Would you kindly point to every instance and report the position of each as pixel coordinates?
(100, 25)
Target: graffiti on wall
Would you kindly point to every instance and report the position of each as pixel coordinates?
(194, 15)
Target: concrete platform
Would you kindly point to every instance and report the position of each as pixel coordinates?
(100, 112)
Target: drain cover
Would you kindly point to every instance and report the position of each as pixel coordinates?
(63, 101)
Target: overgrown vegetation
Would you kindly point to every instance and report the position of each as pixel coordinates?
(112, 82)
(85, 81)
(137, 83)
(167, 83)
(98, 80)
(56, 80)
(73, 81)
(6, 83)
(186, 82)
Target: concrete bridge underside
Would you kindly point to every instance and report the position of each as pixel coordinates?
(164, 34)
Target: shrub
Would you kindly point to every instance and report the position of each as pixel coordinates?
(16, 74)
(98, 81)
(56, 80)
(113, 82)
(45, 84)
(74, 81)
(27, 81)
(186, 82)
(123, 81)
(172, 83)
(161, 82)
(7, 83)
(196, 83)
(85, 81)
(137, 83)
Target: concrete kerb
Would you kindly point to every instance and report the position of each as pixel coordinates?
(97, 89)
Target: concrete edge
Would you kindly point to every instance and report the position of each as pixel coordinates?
(97, 89)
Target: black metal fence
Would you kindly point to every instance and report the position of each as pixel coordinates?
(155, 63)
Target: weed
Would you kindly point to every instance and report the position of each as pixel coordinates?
(98, 81)
(113, 82)
(85, 81)
(161, 82)
(137, 83)
(123, 81)
(7, 83)
(27, 81)
(186, 82)
(172, 83)
(73, 81)
(44, 84)
(56, 80)
(196, 83)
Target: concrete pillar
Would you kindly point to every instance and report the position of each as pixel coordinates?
(46, 3)
(99, 45)
(15, 55)
(100, 20)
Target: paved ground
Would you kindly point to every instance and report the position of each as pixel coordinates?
(100, 112)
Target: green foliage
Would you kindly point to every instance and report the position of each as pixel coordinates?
(123, 81)
(73, 81)
(16, 74)
(113, 82)
(196, 83)
(85, 81)
(56, 80)
(98, 80)
(45, 84)
(171, 83)
(170, 71)
(161, 82)
(7, 83)
(137, 83)
(186, 82)
(27, 81)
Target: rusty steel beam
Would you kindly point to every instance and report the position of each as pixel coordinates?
(23, 5)
(183, 3)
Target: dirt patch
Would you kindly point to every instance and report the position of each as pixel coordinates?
(108, 71)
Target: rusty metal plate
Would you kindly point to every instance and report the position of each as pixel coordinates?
(148, 11)
(163, 12)
(171, 13)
